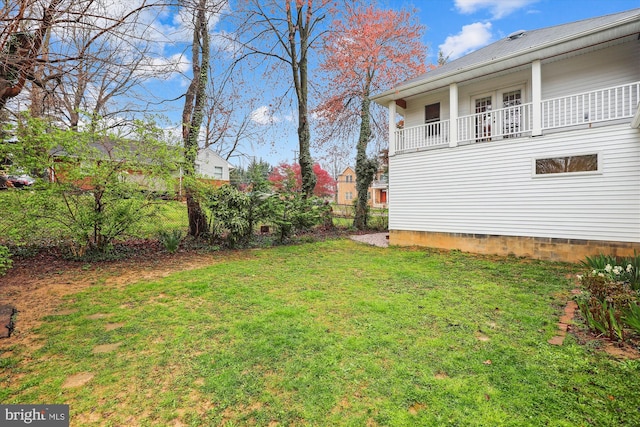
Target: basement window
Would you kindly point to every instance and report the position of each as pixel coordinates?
(567, 164)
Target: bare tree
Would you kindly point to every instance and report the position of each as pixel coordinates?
(21, 42)
(47, 41)
(106, 82)
(228, 122)
(286, 31)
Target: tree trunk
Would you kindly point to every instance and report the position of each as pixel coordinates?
(306, 162)
(300, 80)
(365, 167)
(192, 117)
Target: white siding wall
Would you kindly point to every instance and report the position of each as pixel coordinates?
(414, 114)
(613, 66)
(489, 188)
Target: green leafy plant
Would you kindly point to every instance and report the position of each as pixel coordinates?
(170, 239)
(607, 297)
(631, 317)
(5, 260)
(291, 211)
(230, 215)
(626, 269)
(103, 186)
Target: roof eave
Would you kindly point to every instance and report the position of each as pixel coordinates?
(567, 44)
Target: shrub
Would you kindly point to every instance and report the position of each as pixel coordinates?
(5, 260)
(291, 211)
(230, 212)
(104, 184)
(170, 239)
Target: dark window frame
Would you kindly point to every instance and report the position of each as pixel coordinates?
(567, 165)
(430, 116)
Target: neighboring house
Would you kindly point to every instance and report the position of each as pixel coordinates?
(211, 166)
(346, 187)
(529, 146)
(346, 192)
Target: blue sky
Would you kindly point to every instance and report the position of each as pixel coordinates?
(461, 26)
(456, 27)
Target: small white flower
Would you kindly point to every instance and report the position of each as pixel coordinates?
(601, 274)
(608, 268)
(594, 272)
(579, 276)
(617, 270)
(629, 268)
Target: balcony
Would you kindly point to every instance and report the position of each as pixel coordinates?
(382, 182)
(609, 104)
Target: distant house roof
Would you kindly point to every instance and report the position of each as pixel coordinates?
(520, 48)
(348, 168)
(116, 150)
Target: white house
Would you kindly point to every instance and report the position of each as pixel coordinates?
(210, 165)
(529, 146)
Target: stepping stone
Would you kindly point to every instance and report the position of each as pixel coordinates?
(98, 316)
(112, 326)
(482, 337)
(106, 348)
(6, 320)
(77, 380)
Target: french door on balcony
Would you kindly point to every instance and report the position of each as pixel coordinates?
(512, 113)
(483, 118)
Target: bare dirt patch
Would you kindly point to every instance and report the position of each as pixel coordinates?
(77, 380)
(36, 285)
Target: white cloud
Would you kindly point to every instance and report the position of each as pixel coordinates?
(470, 38)
(264, 116)
(498, 8)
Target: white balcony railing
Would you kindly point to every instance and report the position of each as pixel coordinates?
(424, 136)
(613, 103)
(509, 122)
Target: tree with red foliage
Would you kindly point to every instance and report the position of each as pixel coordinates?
(286, 177)
(367, 51)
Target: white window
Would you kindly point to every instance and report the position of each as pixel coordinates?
(217, 172)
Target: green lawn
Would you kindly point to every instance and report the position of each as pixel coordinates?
(326, 334)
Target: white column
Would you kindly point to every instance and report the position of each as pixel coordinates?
(536, 97)
(392, 128)
(453, 115)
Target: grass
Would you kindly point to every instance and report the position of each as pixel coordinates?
(330, 333)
